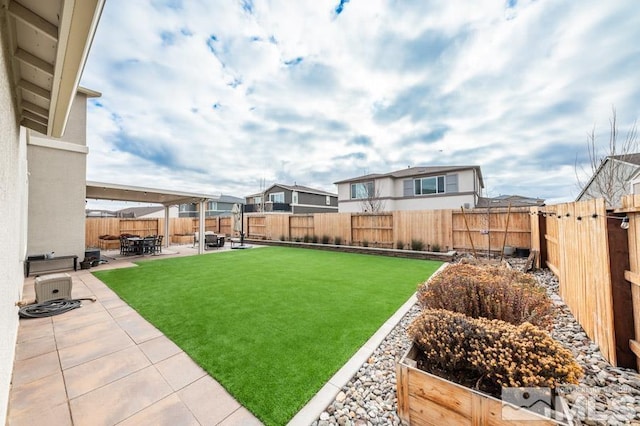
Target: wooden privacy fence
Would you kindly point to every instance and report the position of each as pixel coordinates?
(185, 227)
(631, 208)
(587, 250)
(442, 229)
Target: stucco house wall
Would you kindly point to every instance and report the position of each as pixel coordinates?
(57, 185)
(13, 206)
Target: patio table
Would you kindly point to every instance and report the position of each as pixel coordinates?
(137, 245)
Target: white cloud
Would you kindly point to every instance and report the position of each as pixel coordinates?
(212, 97)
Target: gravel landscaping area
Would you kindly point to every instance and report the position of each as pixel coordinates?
(606, 395)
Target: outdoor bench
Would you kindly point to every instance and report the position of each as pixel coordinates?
(54, 263)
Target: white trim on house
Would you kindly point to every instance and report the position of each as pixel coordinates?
(318, 206)
(57, 144)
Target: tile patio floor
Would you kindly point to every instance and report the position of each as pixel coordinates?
(103, 364)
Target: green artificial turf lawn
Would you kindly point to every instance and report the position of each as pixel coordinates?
(271, 324)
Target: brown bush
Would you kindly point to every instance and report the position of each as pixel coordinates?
(488, 292)
(500, 353)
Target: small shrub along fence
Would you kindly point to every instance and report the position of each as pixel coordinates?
(407, 254)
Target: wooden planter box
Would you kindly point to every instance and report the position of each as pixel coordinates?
(182, 239)
(109, 244)
(426, 399)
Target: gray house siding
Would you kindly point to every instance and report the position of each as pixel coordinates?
(316, 199)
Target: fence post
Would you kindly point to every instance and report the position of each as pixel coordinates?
(542, 244)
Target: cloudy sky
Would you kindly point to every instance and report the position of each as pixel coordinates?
(228, 96)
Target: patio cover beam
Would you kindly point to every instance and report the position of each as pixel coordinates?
(117, 192)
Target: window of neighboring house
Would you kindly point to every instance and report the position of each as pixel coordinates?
(362, 190)
(212, 206)
(257, 200)
(328, 200)
(277, 197)
(294, 197)
(429, 185)
(184, 208)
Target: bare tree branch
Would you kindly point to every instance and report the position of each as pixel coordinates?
(372, 203)
(608, 178)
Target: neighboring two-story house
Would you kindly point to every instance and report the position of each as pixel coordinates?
(292, 199)
(413, 188)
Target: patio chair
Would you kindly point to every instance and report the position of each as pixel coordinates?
(211, 240)
(125, 247)
(149, 244)
(157, 247)
(196, 236)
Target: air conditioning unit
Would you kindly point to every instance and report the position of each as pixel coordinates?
(52, 286)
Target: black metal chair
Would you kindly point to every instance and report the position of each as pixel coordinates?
(149, 244)
(157, 246)
(125, 247)
(211, 240)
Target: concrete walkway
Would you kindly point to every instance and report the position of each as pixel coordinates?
(103, 364)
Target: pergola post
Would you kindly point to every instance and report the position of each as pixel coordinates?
(201, 226)
(166, 226)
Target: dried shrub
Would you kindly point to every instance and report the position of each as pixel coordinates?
(337, 240)
(435, 248)
(501, 354)
(443, 337)
(325, 239)
(417, 245)
(400, 244)
(488, 292)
